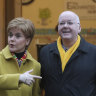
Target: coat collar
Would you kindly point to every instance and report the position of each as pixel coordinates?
(54, 49)
(83, 47)
(7, 54)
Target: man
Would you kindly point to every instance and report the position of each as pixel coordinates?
(68, 66)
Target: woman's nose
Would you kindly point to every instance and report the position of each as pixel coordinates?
(12, 38)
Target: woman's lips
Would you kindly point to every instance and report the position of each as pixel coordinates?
(11, 45)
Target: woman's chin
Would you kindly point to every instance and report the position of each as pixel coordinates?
(12, 51)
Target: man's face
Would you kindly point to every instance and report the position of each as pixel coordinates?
(68, 27)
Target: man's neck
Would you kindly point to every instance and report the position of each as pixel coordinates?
(68, 43)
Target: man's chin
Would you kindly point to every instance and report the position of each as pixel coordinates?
(66, 37)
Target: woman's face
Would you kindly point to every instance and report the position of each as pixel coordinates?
(16, 40)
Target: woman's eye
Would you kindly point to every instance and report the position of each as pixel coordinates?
(18, 35)
(10, 34)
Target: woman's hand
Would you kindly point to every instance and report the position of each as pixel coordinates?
(27, 78)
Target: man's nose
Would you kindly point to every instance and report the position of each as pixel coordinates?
(66, 24)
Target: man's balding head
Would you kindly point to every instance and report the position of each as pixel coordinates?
(70, 13)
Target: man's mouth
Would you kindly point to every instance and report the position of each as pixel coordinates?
(65, 31)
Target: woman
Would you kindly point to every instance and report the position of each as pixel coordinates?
(18, 70)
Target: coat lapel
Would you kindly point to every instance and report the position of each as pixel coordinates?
(83, 48)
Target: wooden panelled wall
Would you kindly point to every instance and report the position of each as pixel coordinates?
(2, 24)
(9, 9)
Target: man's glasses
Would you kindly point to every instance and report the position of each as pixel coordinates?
(68, 23)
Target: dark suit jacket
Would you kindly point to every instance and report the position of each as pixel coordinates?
(79, 76)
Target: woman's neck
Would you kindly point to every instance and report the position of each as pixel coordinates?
(19, 55)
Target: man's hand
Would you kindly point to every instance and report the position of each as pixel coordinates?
(27, 78)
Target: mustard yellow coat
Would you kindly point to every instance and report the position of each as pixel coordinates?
(9, 75)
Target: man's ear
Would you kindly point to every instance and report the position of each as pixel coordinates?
(79, 30)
